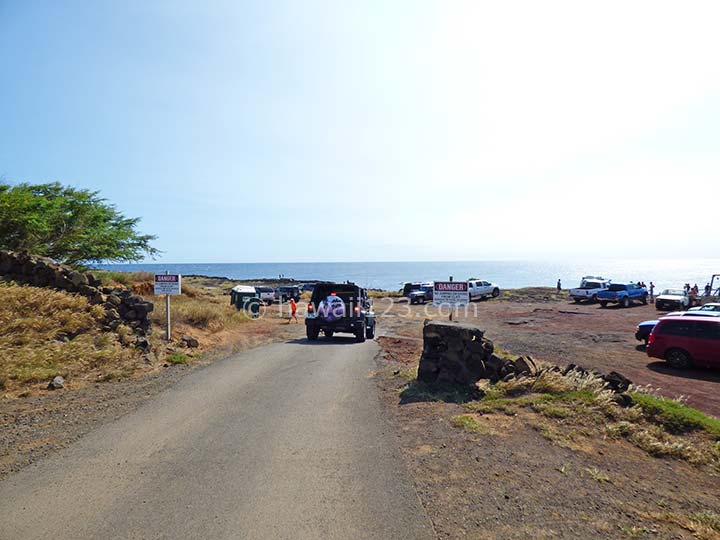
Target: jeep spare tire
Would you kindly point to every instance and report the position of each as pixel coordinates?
(332, 308)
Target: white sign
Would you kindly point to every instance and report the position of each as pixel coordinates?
(450, 293)
(168, 284)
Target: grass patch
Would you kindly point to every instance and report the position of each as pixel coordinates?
(674, 416)
(44, 333)
(178, 358)
(597, 475)
(126, 279)
(708, 518)
(203, 311)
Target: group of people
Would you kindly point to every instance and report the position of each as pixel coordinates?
(695, 290)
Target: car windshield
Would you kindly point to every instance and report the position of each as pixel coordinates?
(710, 307)
(427, 288)
(616, 287)
(674, 292)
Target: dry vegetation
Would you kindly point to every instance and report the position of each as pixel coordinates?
(44, 333)
(571, 408)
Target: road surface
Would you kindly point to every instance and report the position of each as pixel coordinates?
(283, 442)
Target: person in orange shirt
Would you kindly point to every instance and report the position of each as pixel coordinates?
(293, 311)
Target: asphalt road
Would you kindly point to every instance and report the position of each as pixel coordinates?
(283, 442)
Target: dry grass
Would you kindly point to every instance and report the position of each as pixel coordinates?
(199, 310)
(44, 333)
(578, 403)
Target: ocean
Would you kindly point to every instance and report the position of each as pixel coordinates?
(507, 274)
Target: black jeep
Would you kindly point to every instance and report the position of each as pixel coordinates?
(339, 307)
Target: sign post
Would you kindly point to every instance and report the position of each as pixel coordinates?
(168, 284)
(450, 293)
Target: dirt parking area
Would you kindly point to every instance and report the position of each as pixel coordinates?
(562, 332)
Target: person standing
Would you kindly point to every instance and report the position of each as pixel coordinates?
(559, 285)
(293, 311)
(652, 292)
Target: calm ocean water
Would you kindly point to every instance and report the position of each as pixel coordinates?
(507, 274)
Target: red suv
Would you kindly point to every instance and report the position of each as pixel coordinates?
(685, 341)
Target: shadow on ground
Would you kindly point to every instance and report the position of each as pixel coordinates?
(335, 340)
(420, 392)
(698, 374)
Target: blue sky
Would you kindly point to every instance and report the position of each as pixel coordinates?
(309, 131)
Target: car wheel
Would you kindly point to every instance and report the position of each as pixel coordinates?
(626, 302)
(593, 299)
(658, 306)
(576, 300)
(328, 333)
(360, 335)
(678, 358)
(312, 333)
(644, 299)
(496, 292)
(603, 303)
(370, 332)
(421, 300)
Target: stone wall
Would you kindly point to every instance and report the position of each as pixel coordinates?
(122, 307)
(460, 354)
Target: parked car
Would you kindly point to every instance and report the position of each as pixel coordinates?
(423, 294)
(339, 307)
(589, 288)
(711, 307)
(482, 289)
(286, 292)
(246, 298)
(672, 299)
(623, 294)
(410, 286)
(266, 294)
(643, 330)
(686, 340)
(307, 287)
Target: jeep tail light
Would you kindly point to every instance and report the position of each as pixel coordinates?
(651, 337)
(310, 307)
(357, 309)
(333, 294)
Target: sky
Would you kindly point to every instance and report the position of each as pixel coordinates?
(375, 131)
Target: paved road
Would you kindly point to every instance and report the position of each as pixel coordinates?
(283, 442)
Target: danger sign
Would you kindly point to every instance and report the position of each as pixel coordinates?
(168, 284)
(450, 293)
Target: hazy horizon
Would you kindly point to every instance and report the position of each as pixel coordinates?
(404, 131)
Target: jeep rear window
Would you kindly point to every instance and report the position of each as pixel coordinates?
(617, 288)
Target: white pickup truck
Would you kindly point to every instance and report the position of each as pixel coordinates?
(589, 288)
(482, 289)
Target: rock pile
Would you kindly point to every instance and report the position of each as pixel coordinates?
(122, 307)
(460, 354)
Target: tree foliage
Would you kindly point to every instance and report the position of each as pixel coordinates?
(71, 226)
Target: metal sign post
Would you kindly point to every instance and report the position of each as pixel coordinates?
(168, 284)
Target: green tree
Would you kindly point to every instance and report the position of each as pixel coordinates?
(71, 226)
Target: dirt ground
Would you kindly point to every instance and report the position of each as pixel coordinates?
(509, 479)
(562, 332)
(510, 482)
